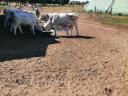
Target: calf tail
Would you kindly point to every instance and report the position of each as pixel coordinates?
(4, 12)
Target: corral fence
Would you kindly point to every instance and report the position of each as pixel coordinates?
(65, 8)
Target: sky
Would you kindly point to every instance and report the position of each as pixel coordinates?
(80, 0)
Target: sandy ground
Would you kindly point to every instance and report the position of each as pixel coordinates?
(93, 64)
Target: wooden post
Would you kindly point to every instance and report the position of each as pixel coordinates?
(95, 9)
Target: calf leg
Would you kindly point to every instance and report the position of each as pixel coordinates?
(55, 31)
(5, 23)
(15, 27)
(76, 27)
(71, 28)
(11, 29)
(33, 29)
(20, 29)
(67, 33)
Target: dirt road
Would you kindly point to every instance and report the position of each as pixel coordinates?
(93, 64)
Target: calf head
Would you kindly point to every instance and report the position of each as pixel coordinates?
(48, 25)
(44, 17)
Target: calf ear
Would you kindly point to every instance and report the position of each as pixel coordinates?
(51, 18)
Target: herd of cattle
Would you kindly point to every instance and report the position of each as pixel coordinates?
(49, 21)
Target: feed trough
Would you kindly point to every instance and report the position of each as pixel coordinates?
(39, 31)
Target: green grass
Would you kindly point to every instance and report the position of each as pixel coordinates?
(2, 4)
(116, 20)
(2, 7)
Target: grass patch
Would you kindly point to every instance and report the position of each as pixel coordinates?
(115, 20)
(66, 8)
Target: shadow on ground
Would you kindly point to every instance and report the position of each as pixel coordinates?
(22, 46)
(79, 36)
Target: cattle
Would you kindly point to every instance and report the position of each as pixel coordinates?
(60, 22)
(46, 16)
(21, 18)
(7, 13)
(36, 11)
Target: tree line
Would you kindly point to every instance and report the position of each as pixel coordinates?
(60, 2)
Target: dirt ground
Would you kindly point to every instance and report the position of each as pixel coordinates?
(93, 64)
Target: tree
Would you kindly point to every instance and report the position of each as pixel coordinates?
(60, 2)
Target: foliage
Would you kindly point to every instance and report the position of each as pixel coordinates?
(60, 2)
(115, 20)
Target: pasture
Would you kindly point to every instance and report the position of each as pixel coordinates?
(95, 63)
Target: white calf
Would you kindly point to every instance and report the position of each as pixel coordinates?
(20, 18)
(7, 13)
(61, 21)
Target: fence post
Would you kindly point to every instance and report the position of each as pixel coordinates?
(95, 9)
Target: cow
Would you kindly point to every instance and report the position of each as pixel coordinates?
(7, 13)
(21, 18)
(60, 21)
